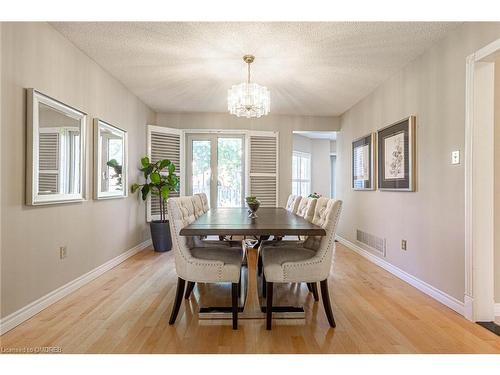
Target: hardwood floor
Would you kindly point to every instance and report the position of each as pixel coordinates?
(126, 311)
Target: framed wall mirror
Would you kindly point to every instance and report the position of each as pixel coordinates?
(110, 161)
(55, 161)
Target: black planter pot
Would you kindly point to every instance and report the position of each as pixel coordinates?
(160, 235)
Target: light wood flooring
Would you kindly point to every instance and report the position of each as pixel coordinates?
(126, 310)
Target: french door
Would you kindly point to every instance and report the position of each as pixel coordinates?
(216, 166)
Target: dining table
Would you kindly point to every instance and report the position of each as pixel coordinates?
(235, 223)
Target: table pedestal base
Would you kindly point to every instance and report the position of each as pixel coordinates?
(252, 305)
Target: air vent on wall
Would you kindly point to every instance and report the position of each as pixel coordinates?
(371, 241)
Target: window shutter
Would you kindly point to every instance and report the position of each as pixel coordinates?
(263, 171)
(48, 163)
(163, 143)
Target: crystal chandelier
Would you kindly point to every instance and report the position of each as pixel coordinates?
(248, 99)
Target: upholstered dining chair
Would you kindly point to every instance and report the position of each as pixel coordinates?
(308, 261)
(292, 204)
(199, 208)
(306, 208)
(319, 206)
(205, 264)
(204, 201)
(200, 204)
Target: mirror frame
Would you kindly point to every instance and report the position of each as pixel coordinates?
(34, 98)
(98, 194)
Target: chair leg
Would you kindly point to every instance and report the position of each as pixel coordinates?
(269, 307)
(189, 289)
(259, 264)
(263, 285)
(178, 299)
(314, 290)
(326, 303)
(240, 286)
(234, 294)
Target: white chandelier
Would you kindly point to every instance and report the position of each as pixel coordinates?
(248, 99)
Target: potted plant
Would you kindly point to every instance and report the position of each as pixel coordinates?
(160, 181)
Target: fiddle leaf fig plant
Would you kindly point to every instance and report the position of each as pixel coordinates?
(160, 181)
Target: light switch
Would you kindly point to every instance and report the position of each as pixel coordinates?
(455, 157)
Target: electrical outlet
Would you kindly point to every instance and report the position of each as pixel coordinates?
(403, 245)
(62, 252)
(455, 157)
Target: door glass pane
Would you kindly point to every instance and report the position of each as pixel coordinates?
(229, 172)
(201, 172)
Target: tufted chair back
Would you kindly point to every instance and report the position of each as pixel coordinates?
(306, 208)
(293, 202)
(321, 204)
(180, 214)
(198, 205)
(204, 201)
(328, 220)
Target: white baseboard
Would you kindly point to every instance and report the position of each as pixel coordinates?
(497, 309)
(23, 314)
(468, 307)
(428, 289)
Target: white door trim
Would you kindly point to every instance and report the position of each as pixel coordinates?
(479, 230)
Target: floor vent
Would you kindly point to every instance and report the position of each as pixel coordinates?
(371, 241)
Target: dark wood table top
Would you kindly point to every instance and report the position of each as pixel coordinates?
(235, 221)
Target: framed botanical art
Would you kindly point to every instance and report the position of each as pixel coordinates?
(363, 154)
(396, 156)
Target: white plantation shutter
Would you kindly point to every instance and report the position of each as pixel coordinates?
(263, 167)
(48, 162)
(163, 143)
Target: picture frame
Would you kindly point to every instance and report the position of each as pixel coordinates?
(396, 156)
(363, 163)
(110, 161)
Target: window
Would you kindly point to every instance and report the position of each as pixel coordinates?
(301, 173)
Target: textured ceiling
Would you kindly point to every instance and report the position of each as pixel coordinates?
(310, 68)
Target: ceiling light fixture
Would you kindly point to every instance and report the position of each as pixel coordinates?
(248, 99)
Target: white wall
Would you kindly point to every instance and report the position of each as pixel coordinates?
(302, 144)
(282, 123)
(35, 55)
(432, 87)
(321, 170)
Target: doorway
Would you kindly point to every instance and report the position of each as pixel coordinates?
(215, 166)
(313, 163)
(479, 299)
